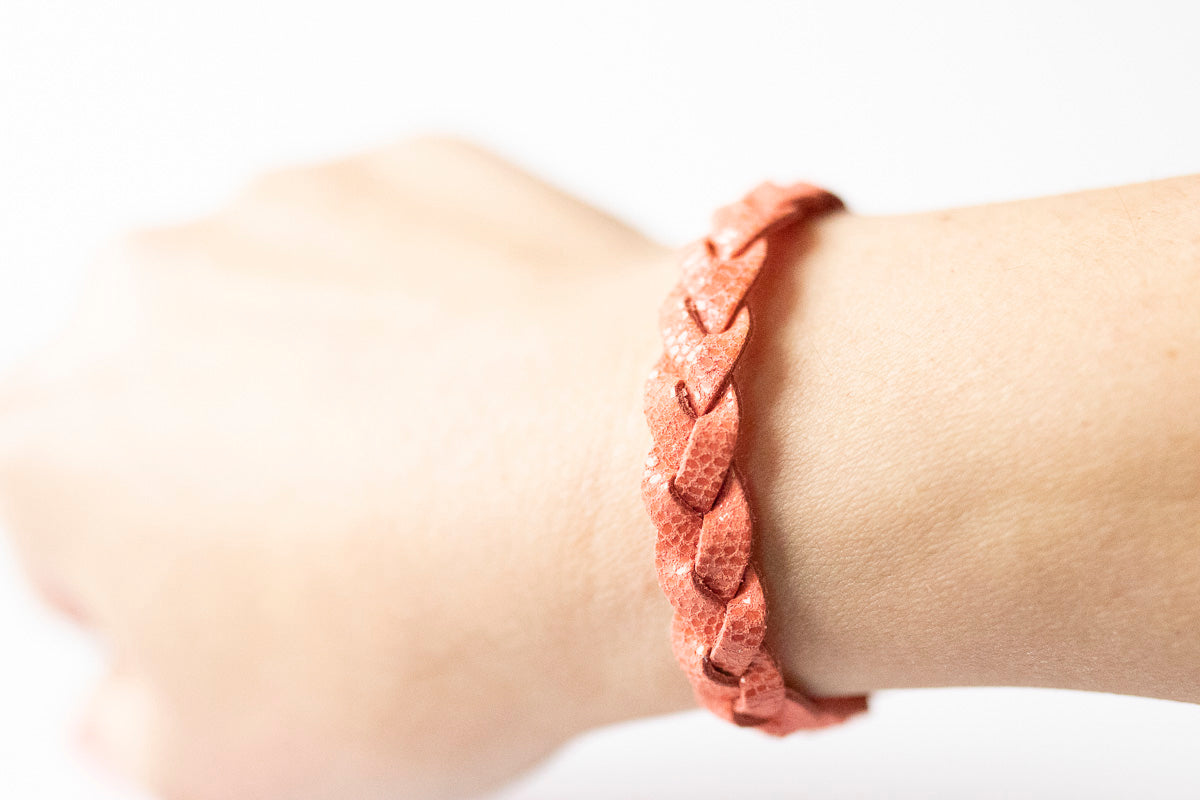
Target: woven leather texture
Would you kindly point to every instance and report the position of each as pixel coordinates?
(691, 487)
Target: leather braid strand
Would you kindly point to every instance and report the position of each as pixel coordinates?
(691, 487)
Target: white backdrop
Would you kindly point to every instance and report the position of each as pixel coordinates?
(121, 114)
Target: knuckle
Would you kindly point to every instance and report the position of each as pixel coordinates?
(140, 248)
(150, 249)
(443, 145)
(411, 163)
(300, 186)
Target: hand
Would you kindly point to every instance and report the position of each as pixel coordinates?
(346, 476)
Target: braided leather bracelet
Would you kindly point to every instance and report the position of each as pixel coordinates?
(691, 488)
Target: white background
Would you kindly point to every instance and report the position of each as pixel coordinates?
(122, 114)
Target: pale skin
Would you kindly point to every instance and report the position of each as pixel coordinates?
(346, 474)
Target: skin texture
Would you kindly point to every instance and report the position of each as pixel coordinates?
(346, 475)
(975, 436)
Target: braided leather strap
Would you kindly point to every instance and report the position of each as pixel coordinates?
(691, 488)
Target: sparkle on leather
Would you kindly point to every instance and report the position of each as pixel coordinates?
(691, 485)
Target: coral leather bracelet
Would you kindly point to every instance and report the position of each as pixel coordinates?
(691, 487)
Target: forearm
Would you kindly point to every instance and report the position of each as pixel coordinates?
(971, 439)
(974, 441)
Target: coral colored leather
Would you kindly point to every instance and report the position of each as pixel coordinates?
(691, 487)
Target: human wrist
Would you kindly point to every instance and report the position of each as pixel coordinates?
(934, 489)
(815, 562)
(642, 296)
(853, 451)
(970, 440)
(820, 567)
(618, 626)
